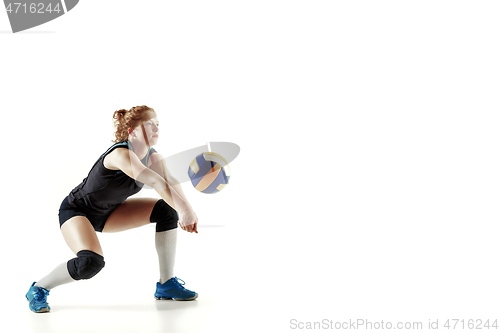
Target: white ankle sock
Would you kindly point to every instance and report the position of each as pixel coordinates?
(166, 243)
(58, 276)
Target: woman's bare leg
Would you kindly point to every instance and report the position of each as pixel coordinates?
(136, 212)
(79, 235)
(133, 213)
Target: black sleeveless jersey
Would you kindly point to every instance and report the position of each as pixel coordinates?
(104, 189)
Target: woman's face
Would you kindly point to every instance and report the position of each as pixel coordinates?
(151, 130)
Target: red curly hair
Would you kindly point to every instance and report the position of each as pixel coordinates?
(125, 119)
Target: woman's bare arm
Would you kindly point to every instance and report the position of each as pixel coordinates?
(168, 188)
(173, 191)
(127, 161)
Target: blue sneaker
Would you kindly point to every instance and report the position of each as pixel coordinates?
(37, 296)
(173, 289)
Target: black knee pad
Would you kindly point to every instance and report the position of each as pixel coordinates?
(164, 216)
(85, 265)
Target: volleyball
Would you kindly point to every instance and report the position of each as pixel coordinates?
(209, 172)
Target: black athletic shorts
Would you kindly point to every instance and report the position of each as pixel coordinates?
(66, 211)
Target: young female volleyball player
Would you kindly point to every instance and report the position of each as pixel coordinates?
(100, 204)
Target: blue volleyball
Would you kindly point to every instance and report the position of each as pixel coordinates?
(209, 172)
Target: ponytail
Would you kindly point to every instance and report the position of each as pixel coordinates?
(119, 114)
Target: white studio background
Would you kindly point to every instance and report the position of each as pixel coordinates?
(367, 182)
